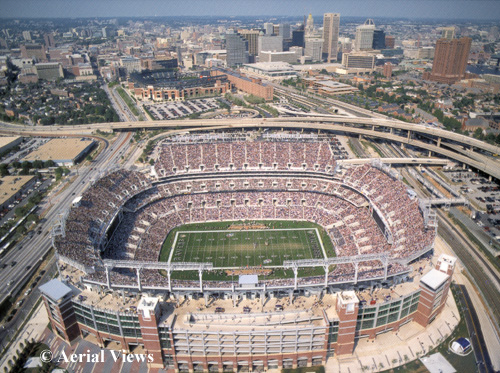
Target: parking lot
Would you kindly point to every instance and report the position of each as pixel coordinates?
(483, 194)
(180, 109)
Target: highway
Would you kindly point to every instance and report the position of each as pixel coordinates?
(31, 250)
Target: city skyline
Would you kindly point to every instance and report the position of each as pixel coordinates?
(414, 9)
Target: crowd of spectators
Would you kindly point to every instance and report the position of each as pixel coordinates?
(241, 155)
(86, 223)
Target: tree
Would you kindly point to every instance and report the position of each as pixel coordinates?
(37, 164)
(4, 169)
(478, 133)
(49, 163)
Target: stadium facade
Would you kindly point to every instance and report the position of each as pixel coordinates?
(116, 291)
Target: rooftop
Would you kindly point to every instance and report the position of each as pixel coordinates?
(10, 185)
(55, 289)
(434, 278)
(5, 140)
(59, 149)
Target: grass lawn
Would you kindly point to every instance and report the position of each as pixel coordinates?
(227, 248)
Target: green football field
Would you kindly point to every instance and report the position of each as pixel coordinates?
(252, 248)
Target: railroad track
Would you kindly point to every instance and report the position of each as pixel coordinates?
(476, 265)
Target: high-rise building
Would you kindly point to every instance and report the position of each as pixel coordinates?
(284, 30)
(268, 28)
(450, 60)
(252, 36)
(378, 39)
(331, 23)
(314, 48)
(448, 32)
(309, 25)
(390, 42)
(388, 70)
(298, 38)
(364, 36)
(237, 49)
(270, 43)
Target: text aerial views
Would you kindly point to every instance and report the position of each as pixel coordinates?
(249, 186)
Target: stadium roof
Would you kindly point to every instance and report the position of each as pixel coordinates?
(55, 289)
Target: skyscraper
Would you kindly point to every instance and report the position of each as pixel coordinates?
(298, 37)
(314, 48)
(309, 25)
(450, 60)
(268, 28)
(284, 30)
(331, 22)
(252, 36)
(237, 49)
(378, 39)
(364, 36)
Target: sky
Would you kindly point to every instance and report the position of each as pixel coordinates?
(442, 9)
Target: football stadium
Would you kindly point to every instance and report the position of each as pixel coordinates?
(246, 252)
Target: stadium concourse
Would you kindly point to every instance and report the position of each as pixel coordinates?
(111, 242)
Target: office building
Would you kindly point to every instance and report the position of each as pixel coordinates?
(448, 32)
(358, 60)
(270, 43)
(284, 30)
(314, 49)
(390, 41)
(298, 37)
(378, 39)
(291, 56)
(252, 36)
(268, 28)
(237, 49)
(27, 35)
(331, 22)
(450, 60)
(364, 36)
